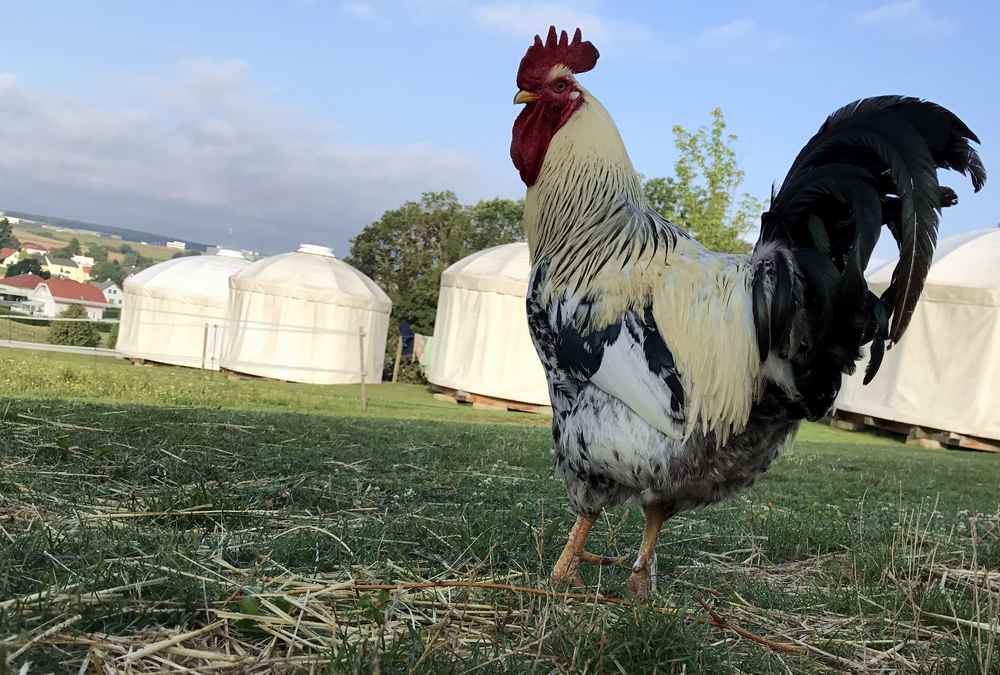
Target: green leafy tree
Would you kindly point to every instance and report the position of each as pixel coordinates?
(78, 333)
(406, 249)
(108, 269)
(97, 252)
(7, 238)
(701, 196)
(27, 266)
(69, 250)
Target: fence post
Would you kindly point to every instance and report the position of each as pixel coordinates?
(204, 346)
(399, 355)
(361, 351)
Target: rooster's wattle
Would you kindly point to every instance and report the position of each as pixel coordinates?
(677, 373)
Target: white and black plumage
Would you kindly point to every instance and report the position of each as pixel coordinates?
(676, 374)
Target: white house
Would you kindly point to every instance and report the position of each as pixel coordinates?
(177, 244)
(112, 292)
(83, 260)
(54, 296)
(32, 248)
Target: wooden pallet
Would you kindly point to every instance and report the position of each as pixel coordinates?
(480, 401)
(912, 434)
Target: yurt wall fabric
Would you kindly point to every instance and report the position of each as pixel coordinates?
(175, 311)
(298, 316)
(945, 371)
(481, 341)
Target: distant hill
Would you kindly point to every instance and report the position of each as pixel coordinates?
(123, 232)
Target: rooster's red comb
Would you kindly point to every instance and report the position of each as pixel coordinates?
(578, 56)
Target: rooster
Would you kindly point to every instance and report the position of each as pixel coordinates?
(676, 374)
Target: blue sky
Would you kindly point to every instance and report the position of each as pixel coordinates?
(269, 124)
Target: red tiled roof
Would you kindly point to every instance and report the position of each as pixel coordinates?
(22, 281)
(6, 252)
(67, 289)
(37, 247)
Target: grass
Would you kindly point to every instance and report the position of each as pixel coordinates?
(257, 527)
(102, 379)
(59, 238)
(31, 331)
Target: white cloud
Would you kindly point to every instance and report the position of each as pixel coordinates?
(910, 17)
(744, 35)
(523, 19)
(731, 30)
(205, 151)
(358, 9)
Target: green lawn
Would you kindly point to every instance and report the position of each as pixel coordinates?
(26, 331)
(137, 504)
(32, 331)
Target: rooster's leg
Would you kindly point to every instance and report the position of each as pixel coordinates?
(566, 570)
(638, 581)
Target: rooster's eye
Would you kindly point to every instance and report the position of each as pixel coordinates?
(559, 87)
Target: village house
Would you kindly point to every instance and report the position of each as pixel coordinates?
(54, 296)
(112, 292)
(9, 256)
(33, 248)
(17, 292)
(65, 268)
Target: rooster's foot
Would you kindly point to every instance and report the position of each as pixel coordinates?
(640, 585)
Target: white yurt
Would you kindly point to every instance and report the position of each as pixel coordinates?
(481, 343)
(945, 372)
(298, 316)
(175, 311)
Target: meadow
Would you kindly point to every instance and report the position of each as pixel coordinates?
(59, 238)
(168, 520)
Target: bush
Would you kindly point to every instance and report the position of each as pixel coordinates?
(76, 333)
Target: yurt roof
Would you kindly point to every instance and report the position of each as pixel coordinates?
(965, 268)
(201, 280)
(312, 273)
(501, 269)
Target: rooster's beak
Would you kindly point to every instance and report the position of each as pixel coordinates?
(525, 97)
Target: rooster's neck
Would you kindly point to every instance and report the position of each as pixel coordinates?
(586, 175)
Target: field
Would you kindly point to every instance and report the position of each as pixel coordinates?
(166, 520)
(59, 238)
(32, 331)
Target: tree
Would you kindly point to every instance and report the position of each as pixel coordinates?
(406, 249)
(27, 266)
(69, 250)
(701, 196)
(496, 221)
(7, 238)
(78, 333)
(108, 269)
(97, 252)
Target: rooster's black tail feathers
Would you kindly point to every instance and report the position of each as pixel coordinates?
(872, 163)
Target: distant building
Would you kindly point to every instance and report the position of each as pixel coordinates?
(18, 291)
(180, 245)
(112, 292)
(83, 260)
(65, 268)
(31, 247)
(54, 296)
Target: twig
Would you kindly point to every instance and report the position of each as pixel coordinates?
(41, 636)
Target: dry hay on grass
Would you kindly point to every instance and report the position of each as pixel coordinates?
(264, 617)
(279, 621)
